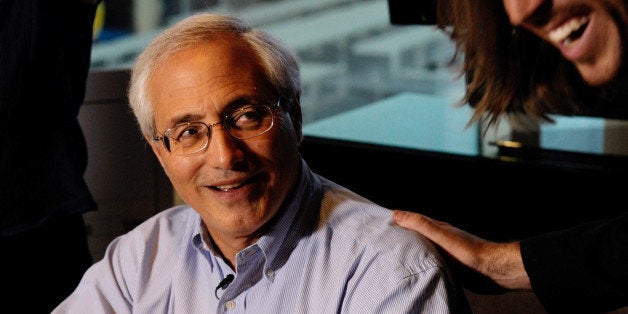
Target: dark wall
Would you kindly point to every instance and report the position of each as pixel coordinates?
(495, 198)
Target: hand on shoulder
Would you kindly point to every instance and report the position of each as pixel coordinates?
(483, 266)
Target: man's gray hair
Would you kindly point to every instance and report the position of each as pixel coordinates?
(280, 64)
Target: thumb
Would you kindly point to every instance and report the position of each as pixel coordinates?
(410, 220)
(437, 231)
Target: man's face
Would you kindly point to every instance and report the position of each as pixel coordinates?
(586, 32)
(235, 185)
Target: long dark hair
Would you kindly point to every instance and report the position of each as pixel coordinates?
(508, 69)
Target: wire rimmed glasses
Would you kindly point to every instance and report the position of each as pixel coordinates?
(245, 122)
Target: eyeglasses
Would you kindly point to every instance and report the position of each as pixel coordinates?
(245, 122)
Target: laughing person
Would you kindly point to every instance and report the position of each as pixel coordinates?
(542, 57)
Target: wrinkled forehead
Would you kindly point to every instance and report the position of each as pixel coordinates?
(219, 56)
(204, 79)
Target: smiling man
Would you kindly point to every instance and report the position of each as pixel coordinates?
(219, 104)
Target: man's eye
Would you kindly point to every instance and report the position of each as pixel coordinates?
(247, 116)
(189, 132)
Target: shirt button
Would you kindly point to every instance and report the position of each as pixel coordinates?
(270, 273)
(230, 305)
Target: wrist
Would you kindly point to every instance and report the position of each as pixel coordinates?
(506, 267)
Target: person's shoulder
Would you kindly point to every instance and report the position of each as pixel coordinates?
(170, 230)
(370, 224)
(173, 225)
(174, 217)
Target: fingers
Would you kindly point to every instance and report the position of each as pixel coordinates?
(419, 223)
(411, 220)
(501, 263)
(439, 232)
(461, 245)
(461, 248)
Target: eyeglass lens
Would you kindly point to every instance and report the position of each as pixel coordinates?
(243, 123)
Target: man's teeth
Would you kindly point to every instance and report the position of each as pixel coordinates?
(561, 34)
(227, 187)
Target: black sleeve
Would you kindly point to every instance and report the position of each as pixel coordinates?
(580, 270)
(45, 51)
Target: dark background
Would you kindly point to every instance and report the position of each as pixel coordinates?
(509, 197)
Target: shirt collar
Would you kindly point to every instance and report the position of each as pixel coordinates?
(297, 217)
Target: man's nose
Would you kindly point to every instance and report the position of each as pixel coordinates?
(223, 148)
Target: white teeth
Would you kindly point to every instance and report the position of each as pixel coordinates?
(561, 34)
(227, 187)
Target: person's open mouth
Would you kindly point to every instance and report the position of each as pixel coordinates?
(569, 32)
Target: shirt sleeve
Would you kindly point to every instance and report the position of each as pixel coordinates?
(583, 269)
(422, 285)
(431, 291)
(104, 287)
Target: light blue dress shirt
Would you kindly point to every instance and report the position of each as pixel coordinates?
(329, 251)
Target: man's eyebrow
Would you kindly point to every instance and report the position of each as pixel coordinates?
(242, 101)
(230, 106)
(184, 119)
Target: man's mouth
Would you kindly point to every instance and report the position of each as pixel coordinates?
(229, 187)
(233, 186)
(570, 31)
